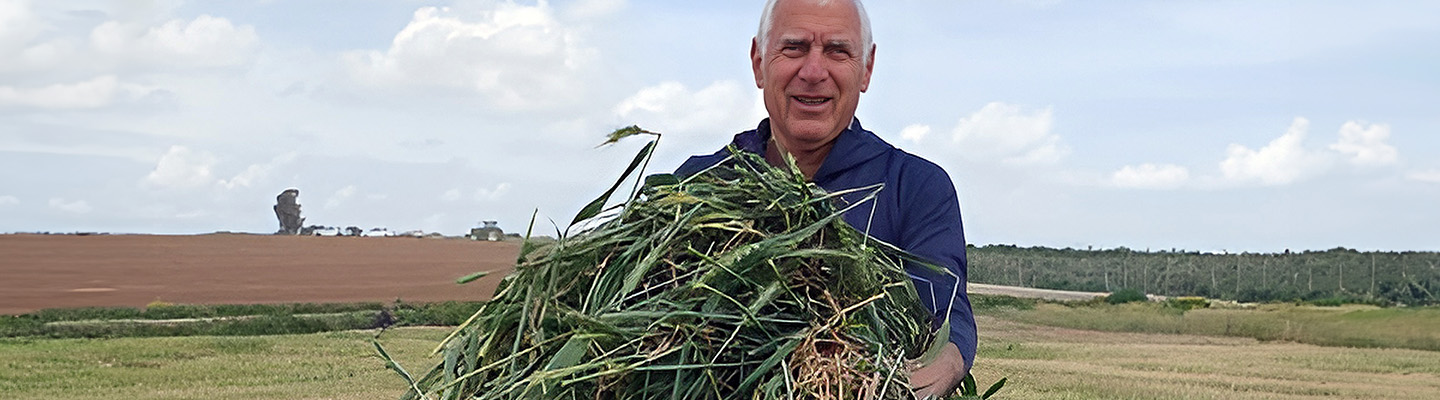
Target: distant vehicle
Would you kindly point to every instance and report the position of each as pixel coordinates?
(378, 232)
(327, 231)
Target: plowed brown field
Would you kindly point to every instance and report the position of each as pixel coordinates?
(51, 271)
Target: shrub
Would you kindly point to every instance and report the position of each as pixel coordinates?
(1336, 301)
(167, 319)
(1186, 303)
(159, 304)
(450, 313)
(1125, 296)
(986, 302)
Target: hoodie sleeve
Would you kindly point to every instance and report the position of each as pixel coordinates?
(931, 228)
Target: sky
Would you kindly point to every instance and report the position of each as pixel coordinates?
(1229, 126)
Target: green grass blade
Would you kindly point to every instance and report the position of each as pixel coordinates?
(967, 385)
(395, 366)
(593, 209)
(994, 388)
(472, 277)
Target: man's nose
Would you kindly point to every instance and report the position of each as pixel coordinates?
(813, 70)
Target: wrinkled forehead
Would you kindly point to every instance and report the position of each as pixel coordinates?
(828, 20)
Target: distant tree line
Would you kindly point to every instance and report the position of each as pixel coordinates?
(1405, 278)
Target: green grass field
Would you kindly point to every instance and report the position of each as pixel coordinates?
(338, 365)
(1352, 325)
(1042, 362)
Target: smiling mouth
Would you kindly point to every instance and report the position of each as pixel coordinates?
(811, 101)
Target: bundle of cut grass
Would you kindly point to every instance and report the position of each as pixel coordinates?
(741, 282)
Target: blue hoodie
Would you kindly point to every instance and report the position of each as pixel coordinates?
(917, 211)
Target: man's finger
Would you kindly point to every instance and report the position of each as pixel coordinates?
(923, 381)
(928, 392)
(925, 376)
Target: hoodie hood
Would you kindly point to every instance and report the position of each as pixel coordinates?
(853, 147)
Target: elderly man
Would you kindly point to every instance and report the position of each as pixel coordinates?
(812, 59)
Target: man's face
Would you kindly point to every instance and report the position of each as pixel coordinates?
(811, 71)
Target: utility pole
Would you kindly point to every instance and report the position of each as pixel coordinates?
(1372, 274)
(1214, 287)
(1237, 275)
(1342, 277)
(1145, 279)
(1264, 280)
(1165, 275)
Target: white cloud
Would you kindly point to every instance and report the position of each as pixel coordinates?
(1365, 146)
(915, 133)
(98, 92)
(515, 56)
(1005, 132)
(18, 26)
(670, 107)
(256, 173)
(1042, 4)
(492, 194)
(247, 177)
(1282, 161)
(1431, 176)
(205, 41)
(9, 201)
(181, 167)
(59, 54)
(480, 195)
(451, 195)
(73, 207)
(593, 9)
(184, 168)
(1151, 176)
(340, 197)
(134, 41)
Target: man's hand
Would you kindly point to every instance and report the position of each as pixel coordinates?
(942, 376)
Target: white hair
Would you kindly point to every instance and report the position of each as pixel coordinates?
(767, 21)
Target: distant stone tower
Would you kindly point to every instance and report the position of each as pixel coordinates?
(287, 210)
(489, 230)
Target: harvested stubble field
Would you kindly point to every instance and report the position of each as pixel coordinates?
(58, 271)
(1041, 362)
(1058, 363)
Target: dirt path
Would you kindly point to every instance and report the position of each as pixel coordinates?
(1030, 293)
(50, 271)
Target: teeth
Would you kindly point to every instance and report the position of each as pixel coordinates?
(810, 101)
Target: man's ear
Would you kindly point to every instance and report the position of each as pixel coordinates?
(755, 57)
(869, 68)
